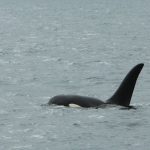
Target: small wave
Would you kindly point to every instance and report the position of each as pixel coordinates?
(77, 124)
(93, 78)
(4, 61)
(3, 112)
(99, 61)
(6, 137)
(22, 147)
(135, 106)
(55, 59)
(37, 136)
(138, 105)
(96, 116)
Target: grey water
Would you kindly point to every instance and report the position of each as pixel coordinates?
(84, 47)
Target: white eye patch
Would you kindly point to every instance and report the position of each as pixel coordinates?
(74, 105)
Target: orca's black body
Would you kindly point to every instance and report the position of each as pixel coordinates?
(121, 97)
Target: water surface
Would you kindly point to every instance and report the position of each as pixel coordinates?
(72, 47)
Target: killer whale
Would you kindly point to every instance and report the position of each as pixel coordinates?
(122, 95)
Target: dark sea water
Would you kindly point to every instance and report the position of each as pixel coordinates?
(83, 47)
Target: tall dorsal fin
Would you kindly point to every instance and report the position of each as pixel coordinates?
(123, 94)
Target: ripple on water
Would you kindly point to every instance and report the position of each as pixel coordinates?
(37, 136)
(22, 147)
(96, 116)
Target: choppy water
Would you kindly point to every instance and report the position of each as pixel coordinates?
(72, 47)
